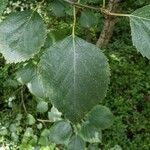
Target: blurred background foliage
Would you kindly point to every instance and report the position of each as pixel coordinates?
(129, 92)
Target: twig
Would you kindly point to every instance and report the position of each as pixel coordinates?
(107, 12)
(82, 5)
(22, 100)
(43, 121)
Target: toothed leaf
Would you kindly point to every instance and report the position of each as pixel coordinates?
(140, 30)
(75, 75)
(22, 34)
(100, 117)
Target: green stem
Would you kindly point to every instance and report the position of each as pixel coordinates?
(104, 3)
(74, 21)
(105, 11)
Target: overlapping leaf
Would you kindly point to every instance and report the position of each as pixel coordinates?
(88, 19)
(140, 29)
(22, 34)
(26, 74)
(100, 117)
(76, 143)
(60, 132)
(90, 134)
(77, 75)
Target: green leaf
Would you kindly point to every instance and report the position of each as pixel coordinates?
(100, 117)
(35, 86)
(76, 143)
(140, 30)
(40, 126)
(55, 36)
(58, 8)
(3, 4)
(54, 115)
(26, 74)
(13, 127)
(45, 133)
(60, 132)
(116, 147)
(90, 134)
(93, 147)
(44, 141)
(75, 75)
(28, 132)
(42, 107)
(88, 19)
(30, 119)
(22, 34)
(3, 131)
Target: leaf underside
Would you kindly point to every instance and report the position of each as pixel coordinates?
(22, 34)
(75, 75)
(140, 30)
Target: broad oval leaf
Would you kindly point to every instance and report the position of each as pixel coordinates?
(22, 34)
(42, 107)
(58, 8)
(26, 74)
(76, 143)
(100, 117)
(35, 86)
(88, 19)
(60, 132)
(90, 134)
(30, 119)
(140, 30)
(3, 4)
(78, 74)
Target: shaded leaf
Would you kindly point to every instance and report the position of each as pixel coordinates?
(22, 34)
(58, 8)
(55, 36)
(116, 147)
(90, 134)
(88, 19)
(30, 119)
(75, 75)
(76, 143)
(60, 132)
(42, 107)
(140, 30)
(100, 117)
(93, 147)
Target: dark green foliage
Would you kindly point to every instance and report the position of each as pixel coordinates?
(30, 121)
